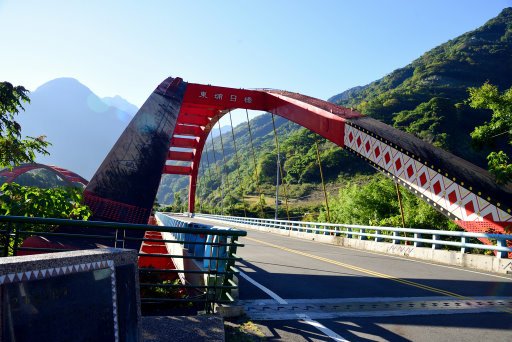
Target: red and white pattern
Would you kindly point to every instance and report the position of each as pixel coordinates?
(453, 197)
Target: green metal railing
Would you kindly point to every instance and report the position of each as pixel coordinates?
(164, 286)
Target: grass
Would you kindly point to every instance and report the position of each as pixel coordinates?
(241, 329)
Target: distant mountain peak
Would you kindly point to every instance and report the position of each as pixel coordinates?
(121, 103)
(64, 84)
(427, 96)
(507, 11)
(81, 126)
(469, 60)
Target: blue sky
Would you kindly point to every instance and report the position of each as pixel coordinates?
(318, 48)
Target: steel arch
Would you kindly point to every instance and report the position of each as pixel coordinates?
(173, 124)
(68, 176)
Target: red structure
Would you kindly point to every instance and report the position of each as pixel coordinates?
(204, 105)
(172, 127)
(69, 177)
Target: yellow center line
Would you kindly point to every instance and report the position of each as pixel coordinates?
(370, 272)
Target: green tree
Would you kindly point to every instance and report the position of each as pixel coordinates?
(426, 121)
(267, 168)
(489, 97)
(177, 203)
(375, 203)
(14, 149)
(20, 200)
(17, 200)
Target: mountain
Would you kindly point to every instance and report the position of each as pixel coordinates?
(425, 98)
(223, 130)
(121, 104)
(81, 126)
(297, 155)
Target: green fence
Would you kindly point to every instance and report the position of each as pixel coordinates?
(164, 287)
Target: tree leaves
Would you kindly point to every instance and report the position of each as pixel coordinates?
(375, 203)
(488, 97)
(14, 149)
(17, 200)
(20, 200)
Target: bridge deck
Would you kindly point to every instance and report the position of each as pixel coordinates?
(289, 284)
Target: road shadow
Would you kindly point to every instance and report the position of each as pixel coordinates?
(303, 283)
(298, 282)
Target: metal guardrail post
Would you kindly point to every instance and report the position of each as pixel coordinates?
(231, 263)
(501, 243)
(395, 241)
(8, 232)
(15, 240)
(119, 238)
(377, 232)
(463, 242)
(216, 294)
(417, 243)
(362, 237)
(208, 278)
(435, 237)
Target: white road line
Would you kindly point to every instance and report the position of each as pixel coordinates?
(263, 288)
(328, 332)
(322, 328)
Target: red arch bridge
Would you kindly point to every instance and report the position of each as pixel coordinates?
(174, 123)
(168, 135)
(68, 177)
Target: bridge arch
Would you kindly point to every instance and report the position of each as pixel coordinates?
(173, 124)
(69, 177)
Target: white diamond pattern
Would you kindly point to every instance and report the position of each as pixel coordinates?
(433, 180)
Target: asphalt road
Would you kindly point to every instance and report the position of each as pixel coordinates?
(297, 290)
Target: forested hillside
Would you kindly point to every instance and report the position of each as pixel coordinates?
(426, 98)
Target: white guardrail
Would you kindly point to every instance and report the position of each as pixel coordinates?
(418, 237)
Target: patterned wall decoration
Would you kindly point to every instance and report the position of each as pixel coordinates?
(40, 274)
(454, 199)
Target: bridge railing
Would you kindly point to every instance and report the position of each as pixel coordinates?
(465, 241)
(204, 247)
(162, 288)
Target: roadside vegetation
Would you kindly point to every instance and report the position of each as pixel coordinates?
(15, 149)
